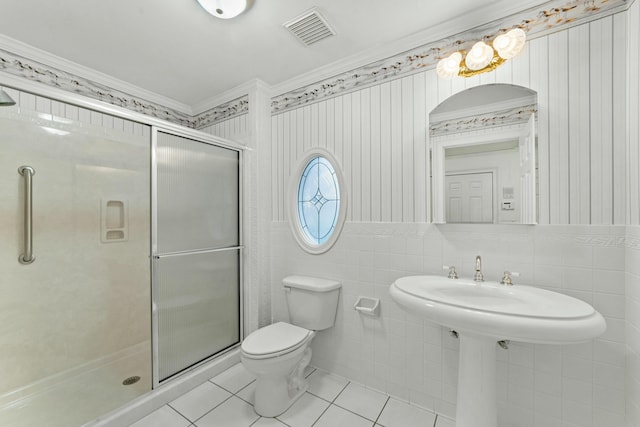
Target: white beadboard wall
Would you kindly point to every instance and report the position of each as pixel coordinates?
(634, 113)
(379, 134)
(234, 128)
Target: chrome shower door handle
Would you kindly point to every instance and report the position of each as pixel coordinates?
(27, 172)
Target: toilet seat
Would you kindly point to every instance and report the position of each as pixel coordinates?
(275, 340)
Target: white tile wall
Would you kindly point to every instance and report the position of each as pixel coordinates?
(632, 327)
(400, 354)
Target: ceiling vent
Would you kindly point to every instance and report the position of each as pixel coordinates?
(310, 27)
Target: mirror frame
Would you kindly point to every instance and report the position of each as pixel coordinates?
(470, 126)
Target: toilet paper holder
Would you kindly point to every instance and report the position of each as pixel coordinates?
(368, 306)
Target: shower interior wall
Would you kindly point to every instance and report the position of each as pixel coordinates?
(77, 319)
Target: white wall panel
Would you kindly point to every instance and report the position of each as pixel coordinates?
(379, 134)
(538, 52)
(620, 120)
(235, 128)
(633, 158)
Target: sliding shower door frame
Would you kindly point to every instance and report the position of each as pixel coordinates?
(156, 381)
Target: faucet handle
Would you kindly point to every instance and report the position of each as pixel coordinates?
(453, 274)
(507, 278)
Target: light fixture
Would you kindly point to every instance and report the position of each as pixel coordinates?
(225, 9)
(482, 57)
(5, 99)
(510, 44)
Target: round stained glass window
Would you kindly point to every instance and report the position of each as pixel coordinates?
(319, 208)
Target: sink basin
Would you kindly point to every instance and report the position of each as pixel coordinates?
(485, 312)
(519, 312)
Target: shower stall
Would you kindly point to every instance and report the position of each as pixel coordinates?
(120, 257)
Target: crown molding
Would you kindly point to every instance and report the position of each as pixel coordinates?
(229, 95)
(536, 21)
(35, 71)
(387, 50)
(231, 103)
(42, 57)
(229, 109)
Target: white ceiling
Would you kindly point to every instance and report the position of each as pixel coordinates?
(175, 49)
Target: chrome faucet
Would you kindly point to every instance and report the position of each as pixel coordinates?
(478, 276)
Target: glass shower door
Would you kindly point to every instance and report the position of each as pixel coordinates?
(196, 251)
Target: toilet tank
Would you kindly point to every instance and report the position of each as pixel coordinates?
(312, 301)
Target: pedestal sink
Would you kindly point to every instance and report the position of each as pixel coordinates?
(483, 313)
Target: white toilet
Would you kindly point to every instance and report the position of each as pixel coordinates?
(278, 354)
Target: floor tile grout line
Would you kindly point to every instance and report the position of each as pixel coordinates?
(382, 410)
(330, 403)
(312, 371)
(343, 389)
(355, 413)
(180, 413)
(281, 420)
(210, 410)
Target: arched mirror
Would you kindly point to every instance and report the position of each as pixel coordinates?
(483, 154)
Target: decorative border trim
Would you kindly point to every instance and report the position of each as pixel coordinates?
(560, 13)
(221, 112)
(35, 71)
(499, 118)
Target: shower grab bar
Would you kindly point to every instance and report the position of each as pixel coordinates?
(27, 172)
(197, 251)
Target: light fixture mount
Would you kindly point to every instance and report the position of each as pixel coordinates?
(224, 9)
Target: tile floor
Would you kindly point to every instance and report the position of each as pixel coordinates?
(331, 401)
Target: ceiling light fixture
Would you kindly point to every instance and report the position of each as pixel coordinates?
(482, 57)
(225, 9)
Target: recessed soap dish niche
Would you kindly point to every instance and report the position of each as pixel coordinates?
(114, 224)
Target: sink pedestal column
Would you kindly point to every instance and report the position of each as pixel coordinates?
(476, 402)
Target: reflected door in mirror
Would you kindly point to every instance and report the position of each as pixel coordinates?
(469, 197)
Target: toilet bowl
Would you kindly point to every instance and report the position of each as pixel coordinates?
(279, 353)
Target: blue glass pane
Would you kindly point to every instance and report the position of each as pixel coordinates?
(309, 181)
(318, 200)
(327, 183)
(328, 216)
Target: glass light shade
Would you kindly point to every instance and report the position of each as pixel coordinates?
(479, 56)
(224, 9)
(510, 44)
(450, 66)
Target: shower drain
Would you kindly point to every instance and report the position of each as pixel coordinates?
(131, 380)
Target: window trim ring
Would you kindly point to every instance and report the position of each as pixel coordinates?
(292, 202)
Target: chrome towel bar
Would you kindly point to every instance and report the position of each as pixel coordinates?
(27, 172)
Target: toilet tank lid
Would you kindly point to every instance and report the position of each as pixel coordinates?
(308, 283)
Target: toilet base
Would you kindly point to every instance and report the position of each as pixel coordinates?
(274, 394)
